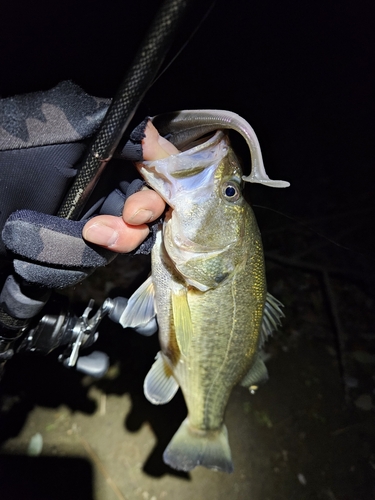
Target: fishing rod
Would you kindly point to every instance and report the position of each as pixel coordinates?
(137, 81)
(59, 326)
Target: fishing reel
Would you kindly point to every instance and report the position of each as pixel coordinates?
(40, 324)
(59, 326)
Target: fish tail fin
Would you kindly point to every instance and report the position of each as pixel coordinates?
(190, 448)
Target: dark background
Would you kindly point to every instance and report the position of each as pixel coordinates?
(300, 72)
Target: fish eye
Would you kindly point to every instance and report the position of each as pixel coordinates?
(231, 191)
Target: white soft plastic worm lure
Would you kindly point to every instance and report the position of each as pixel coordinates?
(183, 127)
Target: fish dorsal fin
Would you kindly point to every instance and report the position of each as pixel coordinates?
(272, 315)
(257, 375)
(182, 319)
(159, 385)
(140, 308)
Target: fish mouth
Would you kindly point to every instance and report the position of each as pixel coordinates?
(183, 174)
(179, 176)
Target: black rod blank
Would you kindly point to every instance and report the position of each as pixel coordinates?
(138, 79)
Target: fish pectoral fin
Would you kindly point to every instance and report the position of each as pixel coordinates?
(189, 449)
(182, 319)
(140, 307)
(271, 320)
(159, 385)
(257, 375)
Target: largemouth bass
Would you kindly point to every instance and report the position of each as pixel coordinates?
(208, 290)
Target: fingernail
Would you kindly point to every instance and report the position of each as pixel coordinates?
(101, 235)
(141, 216)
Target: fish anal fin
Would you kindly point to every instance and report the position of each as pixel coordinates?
(257, 375)
(159, 385)
(140, 307)
(272, 315)
(182, 319)
(190, 448)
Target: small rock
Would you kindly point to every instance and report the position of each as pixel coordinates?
(302, 479)
(35, 445)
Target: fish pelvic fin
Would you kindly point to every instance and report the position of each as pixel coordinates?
(140, 308)
(190, 448)
(159, 385)
(271, 320)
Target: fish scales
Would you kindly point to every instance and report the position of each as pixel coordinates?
(220, 361)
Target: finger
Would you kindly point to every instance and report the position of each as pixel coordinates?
(154, 146)
(143, 207)
(113, 233)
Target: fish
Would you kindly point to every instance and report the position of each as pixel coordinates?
(208, 291)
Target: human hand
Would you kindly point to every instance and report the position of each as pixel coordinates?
(124, 234)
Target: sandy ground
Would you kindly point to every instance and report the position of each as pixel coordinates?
(307, 434)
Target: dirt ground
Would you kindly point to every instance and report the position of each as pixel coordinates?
(306, 434)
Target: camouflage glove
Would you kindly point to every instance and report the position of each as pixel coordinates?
(47, 250)
(51, 252)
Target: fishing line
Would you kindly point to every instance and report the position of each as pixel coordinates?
(185, 44)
